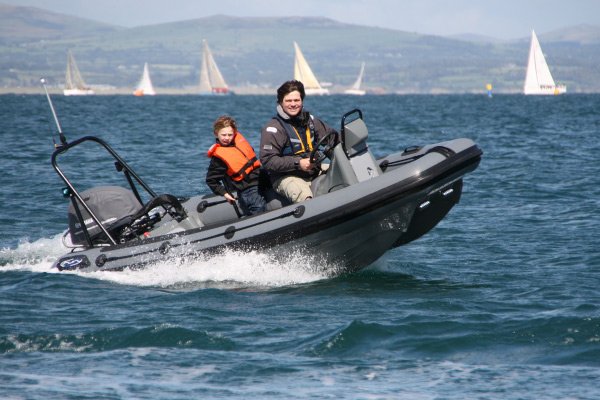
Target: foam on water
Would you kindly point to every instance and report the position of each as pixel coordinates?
(230, 269)
(35, 256)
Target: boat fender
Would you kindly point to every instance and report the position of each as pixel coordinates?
(229, 232)
(101, 260)
(164, 248)
(299, 211)
(383, 165)
(202, 206)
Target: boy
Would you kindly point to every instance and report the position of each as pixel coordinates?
(234, 164)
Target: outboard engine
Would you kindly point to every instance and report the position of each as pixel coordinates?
(113, 205)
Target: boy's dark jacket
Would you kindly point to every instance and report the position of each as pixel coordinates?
(217, 173)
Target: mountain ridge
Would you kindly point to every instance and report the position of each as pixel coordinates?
(257, 53)
(20, 23)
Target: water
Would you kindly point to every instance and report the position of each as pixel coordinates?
(500, 300)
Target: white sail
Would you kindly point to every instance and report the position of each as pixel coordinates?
(304, 74)
(538, 79)
(74, 84)
(355, 89)
(144, 87)
(211, 80)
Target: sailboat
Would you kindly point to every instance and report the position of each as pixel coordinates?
(74, 84)
(538, 79)
(304, 74)
(355, 89)
(211, 80)
(144, 87)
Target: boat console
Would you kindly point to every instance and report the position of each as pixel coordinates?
(352, 161)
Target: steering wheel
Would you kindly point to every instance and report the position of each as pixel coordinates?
(318, 156)
(171, 204)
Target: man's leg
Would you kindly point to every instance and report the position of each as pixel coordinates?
(294, 188)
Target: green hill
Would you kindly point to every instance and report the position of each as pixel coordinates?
(256, 54)
(19, 25)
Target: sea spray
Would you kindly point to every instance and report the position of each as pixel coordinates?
(36, 256)
(231, 269)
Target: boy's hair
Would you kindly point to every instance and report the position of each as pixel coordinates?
(289, 87)
(224, 122)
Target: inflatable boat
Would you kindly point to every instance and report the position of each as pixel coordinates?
(362, 207)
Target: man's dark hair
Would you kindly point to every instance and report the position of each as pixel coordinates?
(288, 87)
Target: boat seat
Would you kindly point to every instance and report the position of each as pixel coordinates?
(352, 161)
(275, 200)
(355, 139)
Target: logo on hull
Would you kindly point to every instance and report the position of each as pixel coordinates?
(73, 263)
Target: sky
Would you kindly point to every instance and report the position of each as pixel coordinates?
(502, 19)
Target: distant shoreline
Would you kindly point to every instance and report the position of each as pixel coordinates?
(129, 91)
(237, 91)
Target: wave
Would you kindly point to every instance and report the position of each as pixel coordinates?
(165, 335)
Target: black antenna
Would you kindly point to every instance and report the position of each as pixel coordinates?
(63, 140)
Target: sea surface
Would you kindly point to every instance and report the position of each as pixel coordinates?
(500, 301)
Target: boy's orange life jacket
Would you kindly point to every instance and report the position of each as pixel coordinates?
(239, 157)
